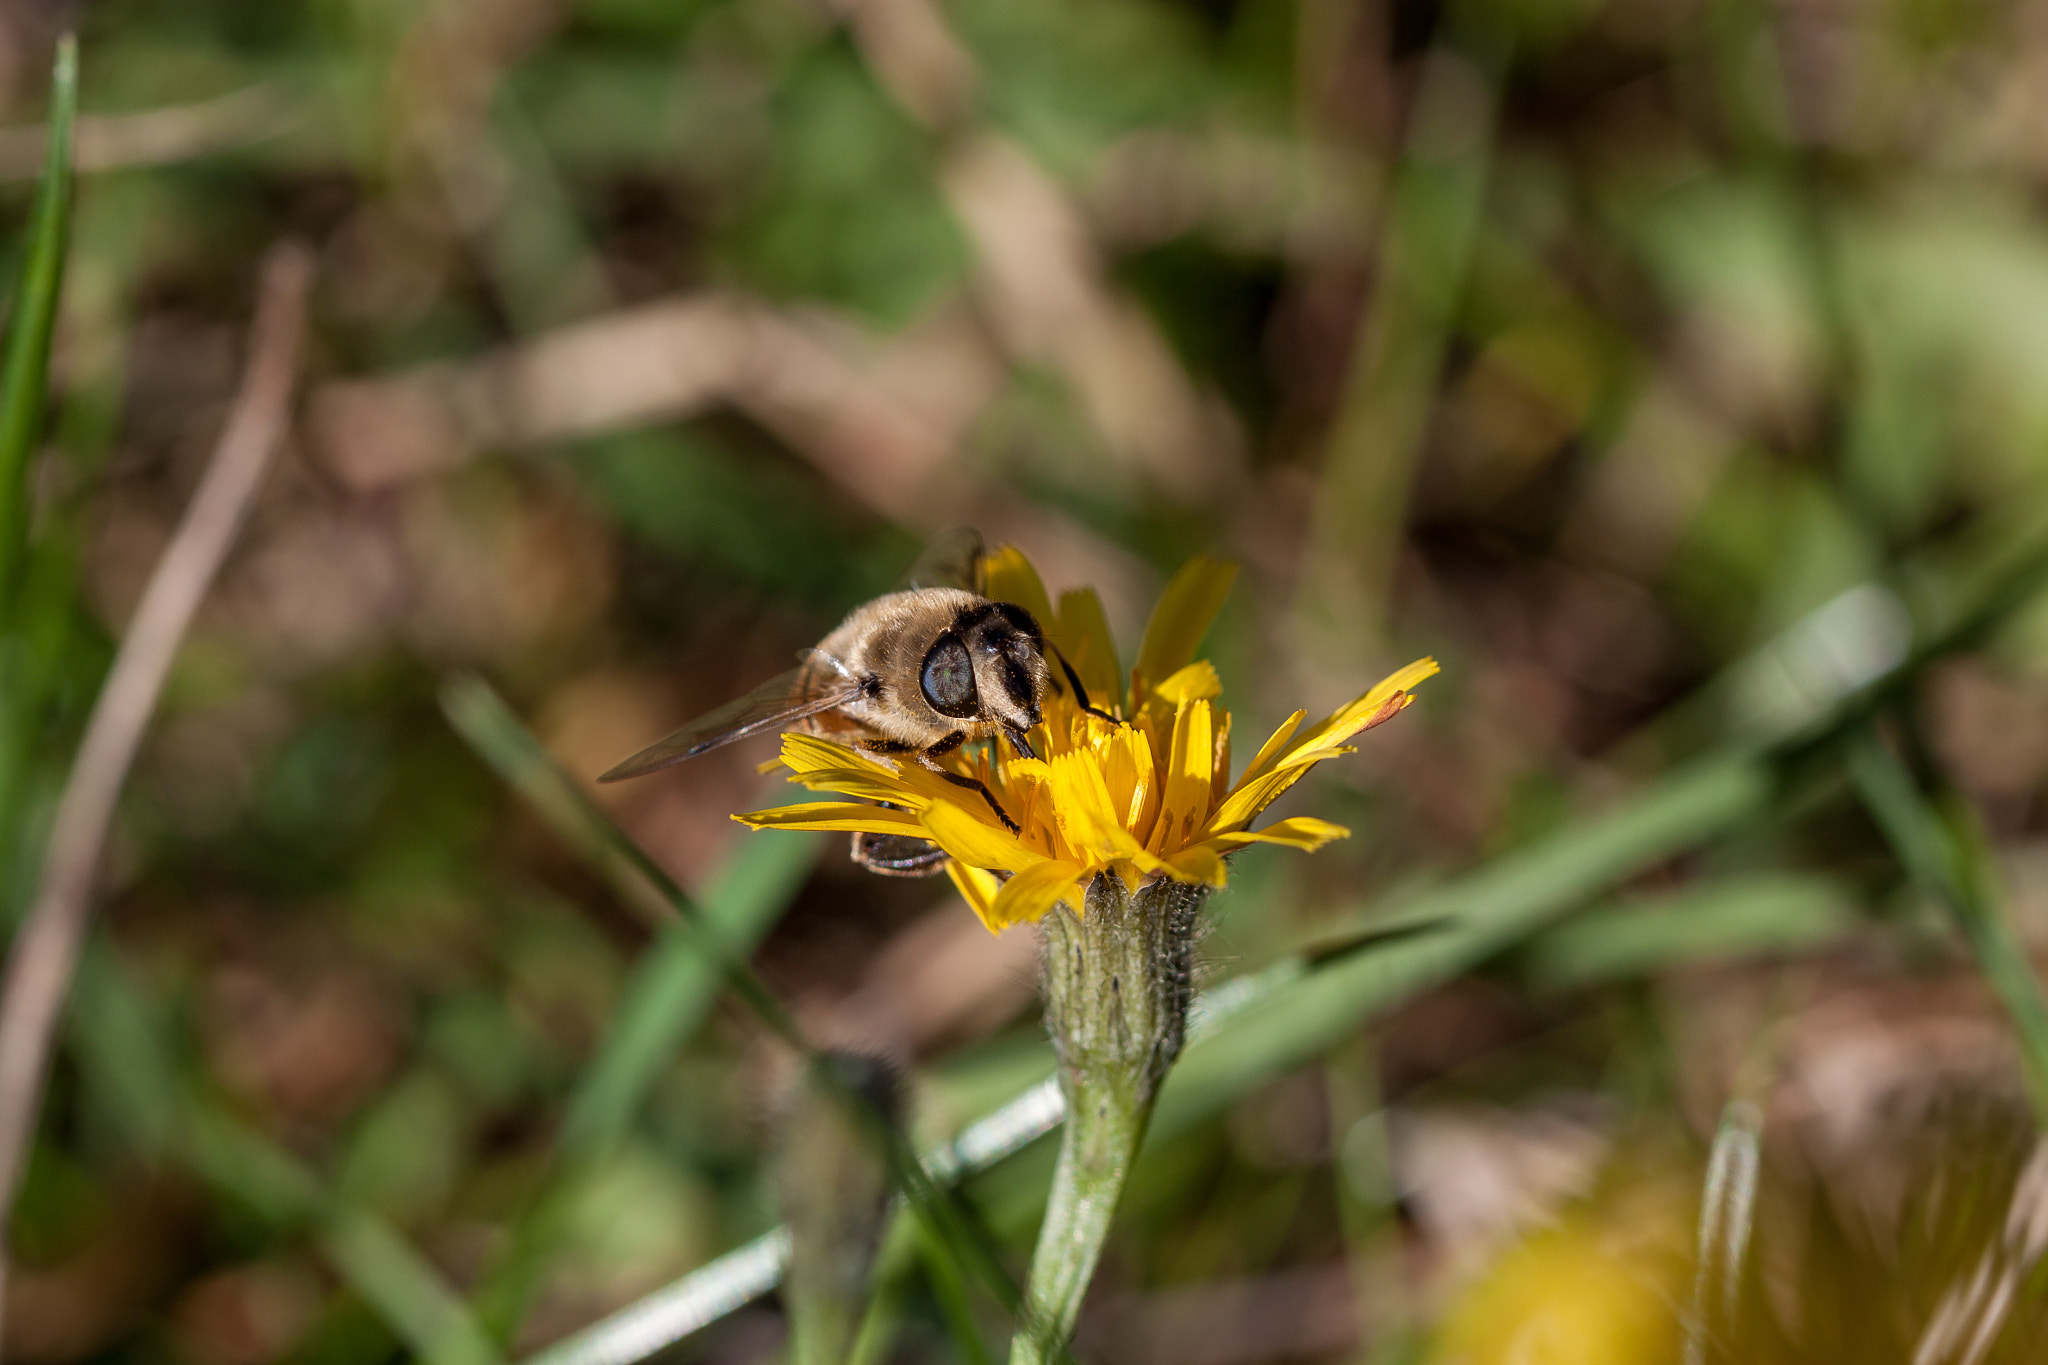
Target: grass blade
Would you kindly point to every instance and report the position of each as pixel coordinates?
(1942, 856)
(398, 1285)
(1479, 915)
(501, 741)
(498, 737)
(1727, 1214)
(673, 988)
(407, 1292)
(668, 996)
(25, 352)
(1740, 915)
(669, 1314)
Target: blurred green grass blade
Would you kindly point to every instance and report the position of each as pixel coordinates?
(236, 1159)
(406, 1291)
(1734, 916)
(497, 736)
(708, 1293)
(670, 992)
(1481, 914)
(875, 1342)
(115, 1035)
(25, 352)
(955, 1309)
(397, 1284)
(674, 986)
(162, 1113)
(952, 1230)
(1944, 854)
(501, 741)
(1432, 228)
(1907, 822)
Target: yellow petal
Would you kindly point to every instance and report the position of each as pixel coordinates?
(976, 842)
(1197, 681)
(1091, 825)
(1198, 863)
(1219, 776)
(1280, 765)
(802, 753)
(1023, 786)
(840, 815)
(1304, 832)
(863, 783)
(1028, 895)
(1243, 805)
(1083, 633)
(1404, 679)
(1185, 808)
(1384, 700)
(1027, 769)
(978, 887)
(1270, 751)
(1007, 576)
(1182, 616)
(1328, 740)
(825, 766)
(1128, 774)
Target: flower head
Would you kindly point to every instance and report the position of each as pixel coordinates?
(1146, 796)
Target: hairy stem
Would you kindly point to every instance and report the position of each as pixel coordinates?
(1116, 997)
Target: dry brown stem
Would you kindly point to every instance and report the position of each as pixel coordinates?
(660, 362)
(45, 950)
(155, 137)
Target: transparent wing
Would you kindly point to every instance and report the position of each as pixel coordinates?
(952, 560)
(771, 706)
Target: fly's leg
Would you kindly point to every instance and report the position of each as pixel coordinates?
(897, 855)
(891, 748)
(947, 745)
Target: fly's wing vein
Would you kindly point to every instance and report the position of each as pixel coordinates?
(773, 705)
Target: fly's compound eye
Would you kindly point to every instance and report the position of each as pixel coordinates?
(948, 679)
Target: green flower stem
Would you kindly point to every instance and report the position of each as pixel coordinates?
(1117, 987)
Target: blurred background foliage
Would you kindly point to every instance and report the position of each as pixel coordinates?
(1667, 368)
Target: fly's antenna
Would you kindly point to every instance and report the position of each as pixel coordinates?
(1080, 691)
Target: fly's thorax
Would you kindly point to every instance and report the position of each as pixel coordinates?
(885, 643)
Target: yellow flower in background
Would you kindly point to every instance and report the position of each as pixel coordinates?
(1148, 797)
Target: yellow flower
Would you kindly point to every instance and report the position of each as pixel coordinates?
(1147, 798)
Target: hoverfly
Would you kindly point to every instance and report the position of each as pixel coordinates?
(912, 675)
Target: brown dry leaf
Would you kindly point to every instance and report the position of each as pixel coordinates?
(1475, 1177)
(941, 981)
(84, 1304)
(1306, 1312)
(879, 418)
(1991, 731)
(502, 568)
(681, 816)
(245, 1315)
(1047, 293)
(310, 1042)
